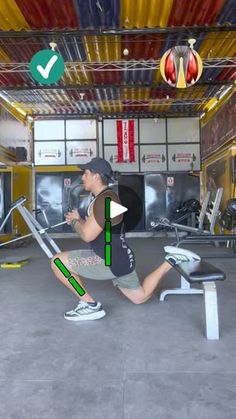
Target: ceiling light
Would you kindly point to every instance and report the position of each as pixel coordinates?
(225, 91)
(5, 98)
(212, 106)
(19, 110)
(191, 42)
(53, 45)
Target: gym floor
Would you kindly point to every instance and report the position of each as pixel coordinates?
(147, 361)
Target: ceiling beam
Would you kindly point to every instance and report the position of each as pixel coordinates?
(82, 87)
(190, 30)
(115, 115)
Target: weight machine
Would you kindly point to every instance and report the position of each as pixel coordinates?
(37, 231)
(212, 214)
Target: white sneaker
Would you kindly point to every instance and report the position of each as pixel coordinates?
(85, 311)
(177, 255)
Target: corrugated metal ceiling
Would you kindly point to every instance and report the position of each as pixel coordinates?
(95, 63)
(110, 99)
(129, 14)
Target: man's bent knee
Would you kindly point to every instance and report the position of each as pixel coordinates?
(137, 299)
(136, 296)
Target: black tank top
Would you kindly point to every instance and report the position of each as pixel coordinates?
(122, 257)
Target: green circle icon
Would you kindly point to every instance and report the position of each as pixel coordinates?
(47, 66)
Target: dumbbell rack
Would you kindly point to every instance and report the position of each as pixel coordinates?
(37, 231)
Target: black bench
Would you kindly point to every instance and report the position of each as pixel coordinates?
(206, 274)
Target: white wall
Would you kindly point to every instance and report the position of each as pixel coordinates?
(13, 133)
(161, 144)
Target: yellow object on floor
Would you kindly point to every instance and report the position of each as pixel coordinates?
(13, 263)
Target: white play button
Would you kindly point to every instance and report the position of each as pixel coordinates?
(116, 209)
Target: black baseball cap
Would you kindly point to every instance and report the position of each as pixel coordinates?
(98, 165)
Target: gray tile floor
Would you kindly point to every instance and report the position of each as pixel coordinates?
(148, 361)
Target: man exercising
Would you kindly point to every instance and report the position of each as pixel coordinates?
(90, 263)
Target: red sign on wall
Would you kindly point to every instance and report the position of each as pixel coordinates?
(67, 182)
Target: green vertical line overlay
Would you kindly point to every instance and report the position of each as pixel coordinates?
(107, 255)
(108, 232)
(62, 267)
(107, 209)
(76, 286)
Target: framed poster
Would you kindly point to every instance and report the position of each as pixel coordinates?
(49, 130)
(49, 153)
(220, 128)
(80, 152)
(184, 157)
(152, 130)
(153, 158)
(183, 130)
(111, 154)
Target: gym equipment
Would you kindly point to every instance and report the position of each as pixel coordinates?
(191, 205)
(228, 217)
(211, 239)
(35, 227)
(205, 274)
(197, 234)
(176, 226)
(55, 193)
(212, 215)
(164, 195)
(190, 208)
(226, 221)
(13, 262)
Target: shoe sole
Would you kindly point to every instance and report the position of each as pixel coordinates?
(179, 251)
(94, 316)
(172, 261)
